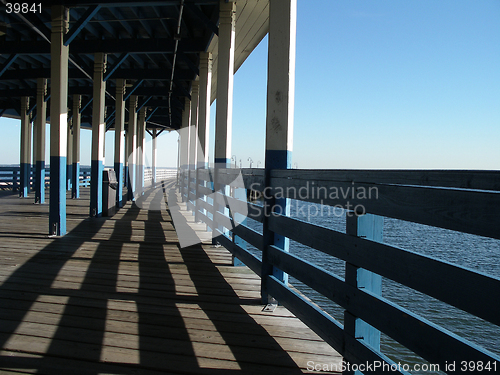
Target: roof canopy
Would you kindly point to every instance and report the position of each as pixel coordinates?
(154, 45)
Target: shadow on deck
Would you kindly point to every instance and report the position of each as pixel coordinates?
(118, 296)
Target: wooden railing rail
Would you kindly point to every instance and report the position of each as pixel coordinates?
(464, 201)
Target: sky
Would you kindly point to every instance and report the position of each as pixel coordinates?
(379, 85)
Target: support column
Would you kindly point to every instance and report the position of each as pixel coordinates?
(141, 133)
(193, 142)
(225, 83)
(25, 162)
(131, 145)
(224, 106)
(205, 91)
(154, 155)
(58, 120)
(40, 125)
(184, 147)
(119, 139)
(279, 120)
(204, 96)
(98, 132)
(75, 192)
(69, 161)
(370, 227)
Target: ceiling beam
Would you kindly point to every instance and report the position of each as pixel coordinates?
(159, 45)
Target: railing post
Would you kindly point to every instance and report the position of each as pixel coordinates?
(15, 185)
(370, 227)
(279, 122)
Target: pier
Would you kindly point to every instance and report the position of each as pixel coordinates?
(183, 273)
(119, 296)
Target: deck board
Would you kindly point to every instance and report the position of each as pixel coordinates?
(118, 296)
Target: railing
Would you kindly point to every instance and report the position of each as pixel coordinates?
(161, 174)
(10, 177)
(464, 201)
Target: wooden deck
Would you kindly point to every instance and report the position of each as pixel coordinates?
(118, 296)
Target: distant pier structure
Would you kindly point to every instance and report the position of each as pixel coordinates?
(85, 290)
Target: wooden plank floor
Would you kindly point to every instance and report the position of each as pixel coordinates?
(118, 296)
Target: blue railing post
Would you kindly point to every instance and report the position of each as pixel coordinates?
(370, 227)
(15, 184)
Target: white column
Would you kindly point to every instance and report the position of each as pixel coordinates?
(279, 117)
(131, 146)
(75, 192)
(98, 132)
(184, 147)
(141, 132)
(225, 79)
(69, 159)
(59, 54)
(25, 160)
(205, 91)
(154, 155)
(193, 136)
(119, 139)
(41, 120)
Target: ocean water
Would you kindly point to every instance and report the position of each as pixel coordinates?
(473, 252)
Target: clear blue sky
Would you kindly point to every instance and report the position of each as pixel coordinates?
(379, 84)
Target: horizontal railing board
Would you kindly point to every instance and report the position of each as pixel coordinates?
(432, 342)
(200, 203)
(326, 327)
(203, 190)
(461, 210)
(249, 235)
(465, 179)
(238, 206)
(235, 205)
(250, 260)
(205, 219)
(222, 220)
(255, 212)
(205, 174)
(479, 293)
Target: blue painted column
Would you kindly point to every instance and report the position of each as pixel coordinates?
(25, 157)
(224, 104)
(40, 125)
(193, 145)
(184, 147)
(131, 146)
(75, 188)
(370, 227)
(141, 138)
(279, 120)
(119, 139)
(98, 132)
(58, 120)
